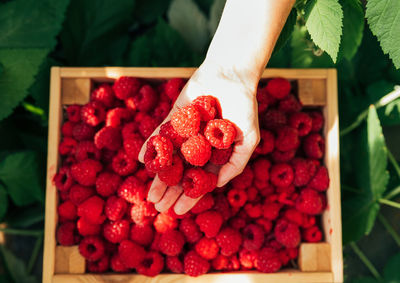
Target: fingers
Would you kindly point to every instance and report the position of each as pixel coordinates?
(184, 204)
(157, 190)
(169, 198)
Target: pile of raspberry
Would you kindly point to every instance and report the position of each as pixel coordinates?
(256, 221)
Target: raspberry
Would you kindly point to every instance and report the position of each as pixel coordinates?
(267, 143)
(278, 88)
(104, 94)
(314, 146)
(142, 174)
(281, 174)
(190, 230)
(92, 210)
(173, 174)
(264, 98)
(205, 203)
(78, 193)
(151, 265)
(320, 181)
(83, 131)
(294, 216)
(253, 210)
(174, 264)
(229, 240)
(142, 235)
(244, 179)
(222, 206)
(116, 231)
(107, 183)
(67, 146)
(166, 130)
(196, 150)
(74, 113)
(308, 221)
(220, 262)
(252, 194)
(267, 261)
(171, 242)
(115, 208)
(287, 233)
(133, 190)
(173, 88)
(117, 265)
(125, 87)
(220, 133)
(290, 104)
(261, 169)
(265, 224)
(271, 210)
(66, 211)
(86, 228)
(92, 248)
(93, 113)
(85, 172)
(129, 130)
(237, 222)
(67, 128)
(99, 266)
(158, 155)
(143, 213)
(195, 265)
(67, 234)
(122, 164)
(132, 145)
(317, 121)
(85, 150)
(237, 198)
(220, 156)
(63, 179)
(162, 110)
(283, 156)
(164, 222)
(253, 237)
(312, 234)
(146, 99)
(186, 121)
(287, 139)
(109, 138)
(301, 122)
(274, 119)
(247, 258)
(209, 222)
(207, 106)
(302, 171)
(197, 182)
(116, 116)
(147, 126)
(207, 248)
(130, 103)
(131, 254)
(309, 202)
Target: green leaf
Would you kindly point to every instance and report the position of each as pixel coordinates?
(96, 31)
(215, 15)
(364, 280)
(287, 30)
(20, 174)
(15, 267)
(20, 68)
(324, 23)
(391, 271)
(149, 11)
(191, 23)
(384, 21)
(205, 5)
(353, 26)
(3, 202)
(25, 218)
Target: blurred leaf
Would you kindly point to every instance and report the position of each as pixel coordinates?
(391, 271)
(205, 5)
(20, 174)
(149, 11)
(364, 280)
(324, 23)
(215, 15)
(25, 218)
(287, 30)
(191, 23)
(3, 202)
(15, 267)
(384, 21)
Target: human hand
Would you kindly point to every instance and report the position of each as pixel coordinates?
(236, 93)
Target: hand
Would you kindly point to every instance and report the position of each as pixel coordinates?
(236, 93)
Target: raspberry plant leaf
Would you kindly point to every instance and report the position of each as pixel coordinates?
(3, 202)
(15, 267)
(146, 12)
(391, 271)
(324, 23)
(384, 21)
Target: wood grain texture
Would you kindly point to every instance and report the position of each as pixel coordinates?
(75, 91)
(312, 92)
(69, 261)
(2, 234)
(315, 257)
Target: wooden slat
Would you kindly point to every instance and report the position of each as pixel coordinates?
(312, 92)
(75, 91)
(69, 261)
(315, 257)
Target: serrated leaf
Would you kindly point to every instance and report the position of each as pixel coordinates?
(384, 21)
(3, 202)
(391, 271)
(15, 267)
(324, 23)
(215, 15)
(149, 11)
(191, 23)
(287, 30)
(19, 172)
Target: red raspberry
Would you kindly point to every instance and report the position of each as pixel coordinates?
(166, 130)
(220, 156)
(78, 193)
(267, 142)
(190, 230)
(164, 222)
(85, 172)
(317, 121)
(209, 222)
(116, 231)
(302, 171)
(195, 265)
(281, 175)
(247, 258)
(82, 131)
(115, 208)
(171, 242)
(130, 103)
(117, 265)
(252, 194)
(66, 211)
(99, 266)
(207, 106)
(104, 94)
(267, 261)
(173, 174)
(125, 87)
(174, 264)
(93, 113)
(229, 240)
(283, 156)
(132, 145)
(92, 210)
(122, 164)
(197, 182)
(85, 150)
(220, 262)
(287, 139)
(67, 128)
(320, 181)
(314, 146)
(294, 216)
(133, 190)
(131, 254)
(287, 233)
(237, 222)
(244, 179)
(309, 202)
(142, 235)
(67, 234)
(265, 223)
(196, 150)
(143, 213)
(117, 116)
(253, 237)
(220, 133)
(278, 88)
(261, 169)
(74, 113)
(67, 146)
(312, 234)
(146, 99)
(173, 88)
(109, 138)
(158, 155)
(107, 183)
(207, 248)
(151, 265)
(222, 206)
(162, 110)
(92, 248)
(271, 210)
(63, 179)
(274, 119)
(265, 98)
(301, 122)
(253, 210)
(129, 130)
(308, 221)
(237, 198)
(290, 104)
(147, 126)
(186, 121)
(86, 228)
(205, 203)
(143, 175)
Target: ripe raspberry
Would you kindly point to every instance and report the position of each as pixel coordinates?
(207, 248)
(220, 133)
(287, 139)
(207, 106)
(143, 213)
(67, 146)
(109, 138)
(261, 169)
(117, 265)
(197, 182)
(118, 116)
(186, 121)
(171, 242)
(220, 156)
(237, 198)
(107, 183)
(93, 113)
(205, 203)
(237, 222)
(67, 128)
(287, 233)
(190, 230)
(278, 88)
(253, 237)
(308, 221)
(317, 121)
(85, 150)
(220, 262)
(174, 264)
(74, 113)
(66, 211)
(209, 222)
(196, 150)
(309, 202)
(104, 94)
(229, 240)
(283, 156)
(132, 145)
(302, 122)
(222, 206)
(146, 99)
(158, 155)
(122, 164)
(115, 208)
(293, 216)
(265, 98)
(147, 126)
(244, 179)
(131, 254)
(195, 265)
(142, 235)
(252, 194)
(99, 266)
(92, 248)
(173, 174)
(166, 130)
(67, 234)
(302, 171)
(281, 175)
(164, 222)
(314, 146)
(271, 210)
(142, 174)
(290, 104)
(133, 190)
(247, 258)
(116, 231)
(173, 88)
(265, 224)
(129, 130)
(125, 87)
(253, 210)
(82, 131)
(92, 210)
(312, 234)
(162, 110)
(320, 181)
(267, 261)
(86, 228)
(267, 142)
(85, 172)
(63, 179)
(151, 265)
(78, 193)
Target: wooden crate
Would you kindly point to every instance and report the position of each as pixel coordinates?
(319, 262)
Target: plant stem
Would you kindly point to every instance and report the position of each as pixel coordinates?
(35, 253)
(350, 189)
(392, 193)
(389, 228)
(390, 203)
(22, 232)
(394, 162)
(366, 261)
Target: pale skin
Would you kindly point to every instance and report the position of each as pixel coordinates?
(236, 58)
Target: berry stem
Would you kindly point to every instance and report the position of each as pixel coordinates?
(366, 261)
(392, 193)
(389, 228)
(390, 203)
(393, 160)
(35, 253)
(18, 232)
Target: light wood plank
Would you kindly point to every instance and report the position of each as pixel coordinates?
(2, 234)
(315, 257)
(312, 92)
(69, 261)
(75, 91)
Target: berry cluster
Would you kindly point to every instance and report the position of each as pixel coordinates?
(256, 221)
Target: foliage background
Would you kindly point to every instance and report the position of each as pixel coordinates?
(360, 39)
